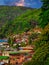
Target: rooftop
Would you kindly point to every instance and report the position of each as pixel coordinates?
(21, 51)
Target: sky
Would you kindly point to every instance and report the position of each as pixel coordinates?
(26, 3)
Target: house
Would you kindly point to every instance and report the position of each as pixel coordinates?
(18, 57)
(29, 48)
(26, 48)
(24, 39)
(37, 30)
(5, 44)
(18, 40)
(5, 53)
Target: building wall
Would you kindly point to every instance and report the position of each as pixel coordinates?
(16, 59)
(5, 53)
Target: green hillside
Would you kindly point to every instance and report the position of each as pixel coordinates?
(9, 13)
(41, 55)
(21, 23)
(24, 21)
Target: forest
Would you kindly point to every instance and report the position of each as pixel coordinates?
(19, 22)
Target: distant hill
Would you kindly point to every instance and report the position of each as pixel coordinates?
(26, 20)
(9, 13)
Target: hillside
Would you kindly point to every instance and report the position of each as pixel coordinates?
(9, 13)
(21, 23)
(25, 29)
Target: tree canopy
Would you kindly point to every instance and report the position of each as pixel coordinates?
(44, 16)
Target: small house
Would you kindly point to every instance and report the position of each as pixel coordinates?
(18, 57)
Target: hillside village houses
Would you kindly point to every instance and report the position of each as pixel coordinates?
(17, 56)
(20, 57)
(19, 38)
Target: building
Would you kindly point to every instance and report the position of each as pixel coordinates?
(37, 30)
(18, 57)
(26, 48)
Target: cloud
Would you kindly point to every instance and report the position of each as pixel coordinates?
(20, 3)
(27, 3)
(24, 3)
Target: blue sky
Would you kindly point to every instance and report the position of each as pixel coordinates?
(27, 3)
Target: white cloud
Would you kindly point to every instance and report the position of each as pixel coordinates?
(23, 3)
(20, 3)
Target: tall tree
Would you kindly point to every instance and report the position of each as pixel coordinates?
(45, 13)
(41, 55)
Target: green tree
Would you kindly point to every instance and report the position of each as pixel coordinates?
(44, 16)
(11, 41)
(23, 44)
(41, 56)
(32, 37)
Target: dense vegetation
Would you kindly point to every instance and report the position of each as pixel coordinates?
(44, 19)
(28, 21)
(4, 57)
(21, 23)
(41, 55)
(9, 13)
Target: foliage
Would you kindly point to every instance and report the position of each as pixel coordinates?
(17, 46)
(23, 44)
(32, 37)
(41, 55)
(21, 23)
(20, 52)
(44, 16)
(9, 13)
(4, 57)
(10, 41)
